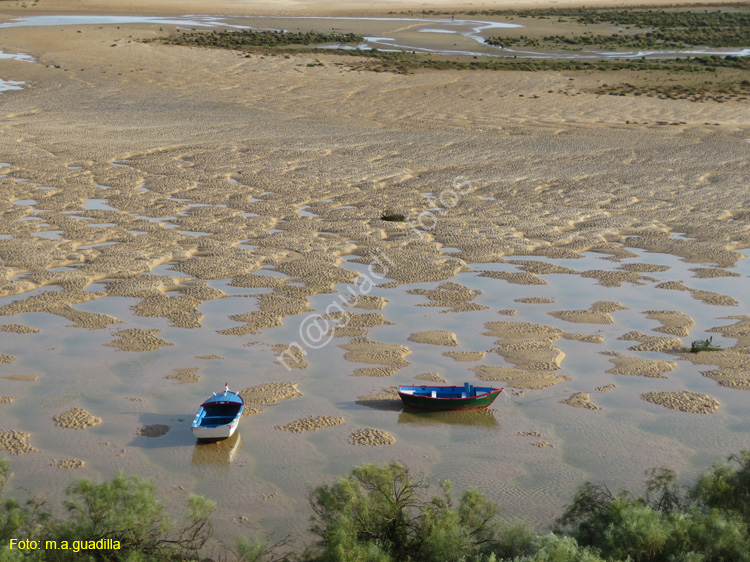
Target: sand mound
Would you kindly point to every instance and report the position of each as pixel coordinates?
(388, 399)
(15, 442)
(292, 357)
(270, 392)
(137, 339)
(731, 378)
(18, 329)
(532, 355)
(432, 377)
(509, 332)
(517, 378)
(613, 278)
(683, 401)
(453, 296)
(354, 320)
(712, 272)
(529, 434)
(6, 399)
(184, 376)
(516, 278)
(605, 388)
(76, 418)
(209, 357)
(155, 430)
(27, 378)
(370, 436)
(740, 330)
(598, 313)
(716, 299)
(311, 423)
(651, 343)
(465, 355)
(672, 322)
(374, 372)
(363, 350)
(640, 367)
(369, 302)
(535, 300)
(435, 337)
(67, 463)
(6, 358)
(580, 400)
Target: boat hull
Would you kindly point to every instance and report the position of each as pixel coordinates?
(216, 433)
(417, 399)
(218, 417)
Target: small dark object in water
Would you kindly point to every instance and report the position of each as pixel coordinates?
(395, 217)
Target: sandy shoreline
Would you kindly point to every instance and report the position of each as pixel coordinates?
(305, 7)
(164, 205)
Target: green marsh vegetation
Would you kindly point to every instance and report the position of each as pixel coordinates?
(248, 39)
(704, 345)
(386, 514)
(726, 78)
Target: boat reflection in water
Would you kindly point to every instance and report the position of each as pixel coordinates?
(219, 453)
(480, 418)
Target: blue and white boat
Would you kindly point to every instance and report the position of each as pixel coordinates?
(219, 416)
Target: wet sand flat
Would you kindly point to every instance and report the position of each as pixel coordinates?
(176, 215)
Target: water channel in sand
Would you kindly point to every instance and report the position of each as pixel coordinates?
(419, 35)
(530, 477)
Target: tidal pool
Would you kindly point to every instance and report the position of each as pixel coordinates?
(265, 473)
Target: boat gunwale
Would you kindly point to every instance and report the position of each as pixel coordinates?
(483, 395)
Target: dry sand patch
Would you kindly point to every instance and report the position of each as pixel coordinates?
(369, 302)
(740, 330)
(435, 337)
(432, 377)
(535, 300)
(270, 392)
(76, 418)
(67, 463)
(363, 350)
(311, 423)
(731, 378)
(652, 343)
(518, 378)
(517, 278)
(375, 371)
(371, 436)
(640, 367)
(598, 313)
(672, 322)
(468, 356)
(138, 339)
(580, 400)
(15, 442)
(712, 272)
(684, 401)
(18, 329)
(184, 376)
(454, 296)
(290, 356)
(387, 399)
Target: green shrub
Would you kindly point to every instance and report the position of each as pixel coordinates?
(704, 345)
(381, 514)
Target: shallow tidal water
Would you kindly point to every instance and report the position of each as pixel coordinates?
(264, 474)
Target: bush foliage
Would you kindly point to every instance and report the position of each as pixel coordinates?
(385, 514)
